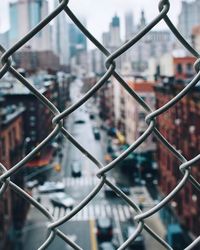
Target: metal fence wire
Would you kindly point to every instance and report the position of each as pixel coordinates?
(185, 167)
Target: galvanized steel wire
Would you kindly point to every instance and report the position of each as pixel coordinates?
(185, 165)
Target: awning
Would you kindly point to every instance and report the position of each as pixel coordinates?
(42, 161)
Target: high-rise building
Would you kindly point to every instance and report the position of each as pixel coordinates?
(129, 25)
(153, 45)
(188, 17)
(115, 39)
(60, 37)
(4, 39)
(30, 12)
(77, 40)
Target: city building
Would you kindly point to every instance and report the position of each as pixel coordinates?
(4, 39)
(33, 61)
(188, 17)
(196, 37)
(60, 37)
(180, 126)
(31, 12)
(79, 62)
(37, 117)
(96, 62)
(177, 64)
(134, 118)
(13, 208)
(154, 44)
(129, 25)
(114, 31)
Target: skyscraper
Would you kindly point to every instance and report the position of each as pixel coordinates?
(115, 39)
(129, 25)
(188, 17)
(30, 12)
(60, 37)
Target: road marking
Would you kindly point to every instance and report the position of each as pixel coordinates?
(97, 211)
(121, 213)
(79, 215)
(103, 211)
(85, 213)
(120, 238)
(56, 212)
(127, 212)
(108, 210)
(91, 212)
(93, 236)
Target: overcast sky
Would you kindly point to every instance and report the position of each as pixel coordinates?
(98, 13)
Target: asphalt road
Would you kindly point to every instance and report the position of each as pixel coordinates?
(81, 228)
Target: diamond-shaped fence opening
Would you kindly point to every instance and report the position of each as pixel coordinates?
(185, 166)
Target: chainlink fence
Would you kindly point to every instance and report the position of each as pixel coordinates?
(185, 167)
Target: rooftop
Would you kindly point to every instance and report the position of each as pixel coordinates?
(9, 113)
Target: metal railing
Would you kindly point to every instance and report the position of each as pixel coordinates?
(185, 167)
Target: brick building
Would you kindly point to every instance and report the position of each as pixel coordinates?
(181, 127)
(13, 209)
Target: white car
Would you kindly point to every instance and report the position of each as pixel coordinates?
(62, 199)
(50, 186)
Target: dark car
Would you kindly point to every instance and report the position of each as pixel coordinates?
(76, 169)
(138, 243)
(79, 121)
(96, 133)
(109, 192)
(107, 246)
(92, 116)
(125, 189)
(104, 229)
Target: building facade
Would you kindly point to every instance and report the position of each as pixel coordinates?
(37, 117)
(188, 17)
(31, 12)
(13, 208)
(181, 119)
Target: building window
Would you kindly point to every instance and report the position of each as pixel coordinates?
(32, 118)
(141, 116)
(179, 68)
(3, 147)
(10, 139)
(189, 67)
(32, 108)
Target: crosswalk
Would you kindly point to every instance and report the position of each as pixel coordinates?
(83, 181)
(122, 212)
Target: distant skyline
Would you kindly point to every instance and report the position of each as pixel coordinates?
(99, 19)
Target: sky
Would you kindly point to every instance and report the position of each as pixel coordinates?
(98, 13)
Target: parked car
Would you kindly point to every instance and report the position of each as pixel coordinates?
(96, 133)
(79, 121)
(124, 188)
(50, 186)
(32, 184)
(109, 192)
(138, 243)
(76, 169)
(92, 116)
(104, 229)
(62, 199)
(107, 246)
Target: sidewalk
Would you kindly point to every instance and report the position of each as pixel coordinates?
(141, 196)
